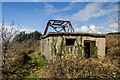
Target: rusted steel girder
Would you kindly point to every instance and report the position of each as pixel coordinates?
(59, 26)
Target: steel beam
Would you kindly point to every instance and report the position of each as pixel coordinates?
(66, 26)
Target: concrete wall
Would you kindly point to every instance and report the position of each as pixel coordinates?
(45, 47)
(100, 43)
(45, 44)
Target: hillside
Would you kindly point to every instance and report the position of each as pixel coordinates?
(16, 55)
(24, 60)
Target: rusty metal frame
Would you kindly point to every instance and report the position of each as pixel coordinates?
(65, 26)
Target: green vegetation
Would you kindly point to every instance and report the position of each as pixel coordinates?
(53, 46)
(19, 57)
(21, 60)
(94, 51)
(30, 70)
(35, 74)
(25, 36)
(61, 48)
(74, 66)
(41, 63)
(80, 48)
(71, 66)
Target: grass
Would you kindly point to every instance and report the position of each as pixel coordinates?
(29, 66)
(41, 63)
(38, 50)
(35, 74)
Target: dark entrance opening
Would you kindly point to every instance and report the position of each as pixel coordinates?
(89, 47)
(70, 42)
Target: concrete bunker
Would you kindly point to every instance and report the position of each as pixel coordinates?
(65, 40)
(72, 43)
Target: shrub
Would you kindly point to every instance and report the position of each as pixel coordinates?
(25, 36)
(71, 66)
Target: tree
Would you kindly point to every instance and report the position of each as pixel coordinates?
(7, 34)
(22, 36)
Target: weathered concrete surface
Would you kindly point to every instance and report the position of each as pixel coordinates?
(100, 43)
(47, 40)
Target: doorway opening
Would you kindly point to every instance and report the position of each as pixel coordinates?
(89, 47)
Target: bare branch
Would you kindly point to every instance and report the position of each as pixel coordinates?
(8, 33)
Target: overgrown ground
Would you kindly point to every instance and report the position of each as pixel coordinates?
(23, 60)
(33, 66)
(72, 66)
(19, 60)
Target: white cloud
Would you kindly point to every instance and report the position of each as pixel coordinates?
(84, 29)
(93, 10)
(113, 27)
(12, 29)
(90, 29)
(50, 9)
(28, 30)
(59, 17)
(112, 23)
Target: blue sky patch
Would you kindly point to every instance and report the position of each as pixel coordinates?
(86, 17)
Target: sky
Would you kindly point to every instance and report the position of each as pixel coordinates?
(60, 0)
(86, 17)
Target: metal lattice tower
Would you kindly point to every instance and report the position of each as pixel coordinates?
(59, 26)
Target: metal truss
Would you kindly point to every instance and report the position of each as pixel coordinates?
(59, 26)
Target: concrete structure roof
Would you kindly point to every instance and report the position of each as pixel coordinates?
(72, 34)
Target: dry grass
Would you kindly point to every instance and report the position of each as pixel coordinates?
(71, 66)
